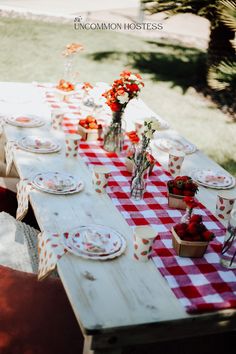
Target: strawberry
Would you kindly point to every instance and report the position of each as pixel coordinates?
(176, 191)
(196, 218)
(193, 228)
(82, 122)
(90, 119)
(196, 238)
(208, 235)
(93, 125)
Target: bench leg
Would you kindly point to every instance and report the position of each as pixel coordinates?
(87, 348)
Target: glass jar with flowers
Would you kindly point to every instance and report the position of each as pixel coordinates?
(69, 54)
(142, 161)
(130, 153)
(117, 98)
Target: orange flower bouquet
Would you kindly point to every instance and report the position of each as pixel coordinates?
(122, 91)
(69, 53)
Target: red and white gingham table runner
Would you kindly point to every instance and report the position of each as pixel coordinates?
(199, 284)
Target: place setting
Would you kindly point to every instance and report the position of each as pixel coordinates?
(213, 179)
(96, 242)
(39, 145)
(60, 183)
(177, 143)
(25, 121)
(57, 183)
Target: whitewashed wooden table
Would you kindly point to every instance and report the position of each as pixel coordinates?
(120, 302)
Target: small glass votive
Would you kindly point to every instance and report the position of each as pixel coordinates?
(143, 240)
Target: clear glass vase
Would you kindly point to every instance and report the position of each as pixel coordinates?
(114, 134)
(68, 74)
(228, 253)
(138, 184)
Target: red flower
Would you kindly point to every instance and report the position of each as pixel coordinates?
(115, 107)
(132, 87)
(133, 137)
(196, 218)
(125, 73)
(150, 159)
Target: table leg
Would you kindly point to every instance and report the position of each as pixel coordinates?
(87, 348)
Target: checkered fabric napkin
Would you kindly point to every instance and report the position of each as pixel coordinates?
(200, 284)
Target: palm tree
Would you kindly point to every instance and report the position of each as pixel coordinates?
(223, 75)
(221, 36)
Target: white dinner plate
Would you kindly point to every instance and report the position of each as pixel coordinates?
(167, 144)
(25, 121)
(38, 144)
(213, 179)
(95, 242)
(57, 183)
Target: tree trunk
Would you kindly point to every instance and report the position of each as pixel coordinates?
(219, 47)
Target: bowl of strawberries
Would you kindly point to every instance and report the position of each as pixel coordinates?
(179, 188)
(65, 86)
(64, 89)
(191, 239)
(89, 128)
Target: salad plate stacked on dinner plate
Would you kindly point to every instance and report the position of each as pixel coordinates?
(167, 144)
(25, 121)
(57, 183)
(94, 242)
(39, 144)
(213, 179)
